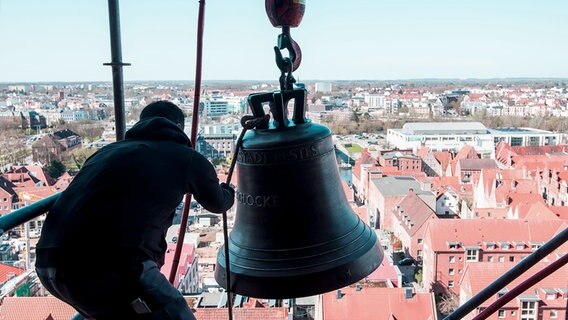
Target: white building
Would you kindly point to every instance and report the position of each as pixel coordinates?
(526, 137)
(375, 101)
(443, 136)
(452, 136)
(215, 107)
(323, 87)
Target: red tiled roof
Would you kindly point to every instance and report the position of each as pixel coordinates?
(35, 308)
(561, 212)
(373, 303)
(187, 255)
(384, 272)
(490, 213)
(443, 158)
(472, 231)
(242, 313)
(33, 193)
(416, 210)
(8, 271)
(481, 274)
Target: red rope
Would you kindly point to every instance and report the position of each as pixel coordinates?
(194, 125)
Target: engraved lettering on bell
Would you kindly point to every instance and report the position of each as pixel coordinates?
(279, 156)
(260, 201)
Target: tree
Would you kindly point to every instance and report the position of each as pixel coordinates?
(78, 157)
(55, 169)
(447, 303)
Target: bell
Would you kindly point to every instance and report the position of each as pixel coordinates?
(295, 234)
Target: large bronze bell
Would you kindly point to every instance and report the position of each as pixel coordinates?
(295, 234)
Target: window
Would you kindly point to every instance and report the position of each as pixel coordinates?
(553, 314)
(501, 259)
(451, 272)
(452, 259)
(453, 245)
(512, 259)
(528, 310)
(535, 246)
(501, 314)
(505, 245)
(451, 283)
(472, 255)
(419, 240)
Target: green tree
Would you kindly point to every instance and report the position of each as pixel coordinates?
(78, 157)
(55, 169)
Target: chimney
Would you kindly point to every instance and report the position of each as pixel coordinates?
(358, 287)
(338, 294)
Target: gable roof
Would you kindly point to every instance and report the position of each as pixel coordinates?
(7, 271)
(65, 133)
(482, 274)
(476, 164)
(242, 313)
(7, 185)
(372, 303)
(35, 308)
(472, 231)
(416, 211)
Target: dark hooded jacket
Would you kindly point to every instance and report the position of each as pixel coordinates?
(124, 197)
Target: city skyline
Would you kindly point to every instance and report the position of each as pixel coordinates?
(68, 41)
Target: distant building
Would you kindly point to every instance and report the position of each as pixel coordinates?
(214, 107)
(8, 196)
(324, 87)
(53, 146)
(442, 136)
(216, 146)
(35, 121)
(452, 136)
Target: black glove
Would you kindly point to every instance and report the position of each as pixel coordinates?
(228, 187)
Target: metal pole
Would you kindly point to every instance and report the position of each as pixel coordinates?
(117, 64)
(20, 216)
(509, 276)
(524, 286)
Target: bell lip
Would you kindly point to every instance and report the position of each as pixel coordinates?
(305, 285)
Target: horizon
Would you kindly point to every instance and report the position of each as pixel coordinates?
(68, 41)
(505, 79)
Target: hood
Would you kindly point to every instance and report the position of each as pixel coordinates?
(157, 128)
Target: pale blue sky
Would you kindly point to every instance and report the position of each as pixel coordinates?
(68, 40)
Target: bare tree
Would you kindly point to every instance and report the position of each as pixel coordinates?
(447, 303)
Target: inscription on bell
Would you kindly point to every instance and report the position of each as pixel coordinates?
(279, 156)
(258, 201)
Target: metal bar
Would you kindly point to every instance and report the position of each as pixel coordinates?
(522, 287)
(509, 276)
(193, 138)
(24, 214)
(117, 64)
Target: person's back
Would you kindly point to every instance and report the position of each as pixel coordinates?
(115, 212)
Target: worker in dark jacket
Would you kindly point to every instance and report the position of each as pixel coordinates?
(103, 242)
